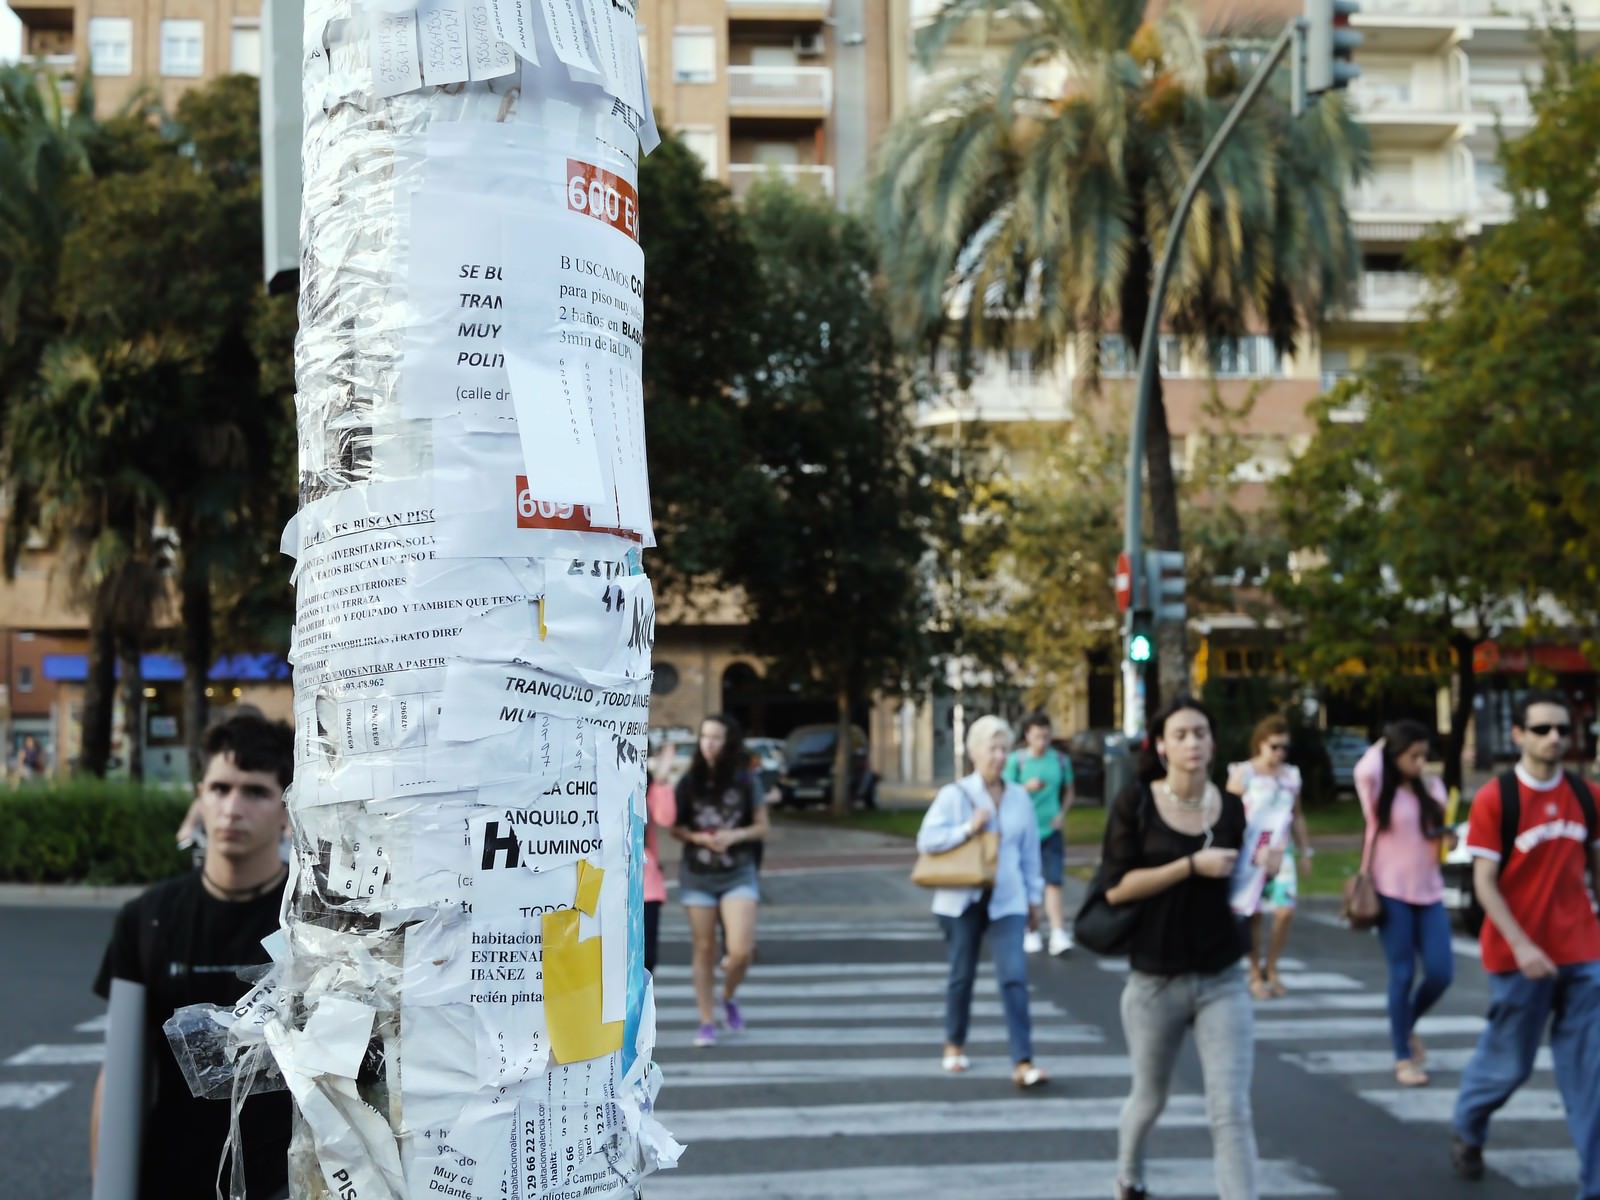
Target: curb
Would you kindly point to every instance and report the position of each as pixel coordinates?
(67, 895)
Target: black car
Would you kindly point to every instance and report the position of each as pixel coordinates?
(1089, 752)
(807, 776)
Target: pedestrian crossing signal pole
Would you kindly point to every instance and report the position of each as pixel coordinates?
(1295, 37)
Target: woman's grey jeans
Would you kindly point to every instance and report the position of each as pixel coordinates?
(1156, 1010)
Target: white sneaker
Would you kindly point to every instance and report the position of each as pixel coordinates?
(1060, 941)
(1032, 943)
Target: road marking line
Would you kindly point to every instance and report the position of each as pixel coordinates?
(1532, 1168)
(1177, 1177)
(72, 1054)
(811, 971)
(1416, 1105)
(95, 1024)
(932, 1010)
(840, 989)
(815, 1036)
(1311, 1028)
(770, 933)
(1067, 1069)
(938, 1117)
(1318, 1002)
(29, 1095)
(1300, 981)
(1362, 1062)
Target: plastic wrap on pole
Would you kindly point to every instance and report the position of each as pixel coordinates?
(459, 1006)
(116, 1174)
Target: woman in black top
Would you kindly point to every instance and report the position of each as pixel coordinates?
(1171, 844)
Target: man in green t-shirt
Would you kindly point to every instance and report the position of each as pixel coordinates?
(1046, 774)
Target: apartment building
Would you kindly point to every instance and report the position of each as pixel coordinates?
(799, 88)
(1441, 81)
(127, 43)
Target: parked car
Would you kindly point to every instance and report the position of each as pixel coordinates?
(1095, 754)
(1345, 748)
(766, 756)
(807, 775)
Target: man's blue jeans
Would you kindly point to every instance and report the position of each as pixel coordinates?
(1519, 1011)
(963, 937)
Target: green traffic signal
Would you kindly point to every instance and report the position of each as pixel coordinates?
(1139, 648)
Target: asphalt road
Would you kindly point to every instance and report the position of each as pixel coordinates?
(834, 1091)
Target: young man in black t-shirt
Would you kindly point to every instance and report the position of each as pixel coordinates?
(185, 940)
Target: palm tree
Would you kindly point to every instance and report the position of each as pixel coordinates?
(1029, 205)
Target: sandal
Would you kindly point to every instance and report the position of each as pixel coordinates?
(1026, 1075)
(1275, 986)
(955, 1063)
(1259, 988)
(1408, 1074)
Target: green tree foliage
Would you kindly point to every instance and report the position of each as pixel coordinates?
(165, 394)
(701, 288)
(1065, 534)
(1029, 204)
(831, 558)
(1457, 510)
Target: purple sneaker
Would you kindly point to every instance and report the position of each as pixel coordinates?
(707, 1035)
(732, 1017)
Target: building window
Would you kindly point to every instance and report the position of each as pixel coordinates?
(1243, 357)
(245, 58)
(182, 47)
(111, 45)
(694, 56)
(703, 142)
(24, 679)
(1116, 358)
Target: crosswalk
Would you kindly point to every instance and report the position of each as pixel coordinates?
(19, 1089)
(835, 1089)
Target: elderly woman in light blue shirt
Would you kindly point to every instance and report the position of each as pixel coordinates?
(961, 810)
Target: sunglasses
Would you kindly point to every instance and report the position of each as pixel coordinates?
(1543, 730)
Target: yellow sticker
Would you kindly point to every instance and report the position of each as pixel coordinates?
(589, 878)
(572, 992)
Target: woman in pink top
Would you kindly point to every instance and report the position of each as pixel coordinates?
(662, 803)
(1405, 820)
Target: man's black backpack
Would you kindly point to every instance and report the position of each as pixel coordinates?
(1511, 812)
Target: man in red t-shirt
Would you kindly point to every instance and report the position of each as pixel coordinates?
(1541, 943)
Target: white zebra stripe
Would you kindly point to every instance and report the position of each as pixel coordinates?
(72, 1054)
(932, 1010)
(1535, 1168)
(1425, 1106)
(30, 1095)
(817, 1036)
(1364, 1062)
(724, 1072)
(1377, 1028)
(1167, 1177)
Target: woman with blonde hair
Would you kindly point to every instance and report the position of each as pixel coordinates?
(961, 811)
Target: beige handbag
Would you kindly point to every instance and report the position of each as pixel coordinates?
(972, 864)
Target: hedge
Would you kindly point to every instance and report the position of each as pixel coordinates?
(90, 831)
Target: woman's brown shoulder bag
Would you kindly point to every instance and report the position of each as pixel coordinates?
(1362, 910)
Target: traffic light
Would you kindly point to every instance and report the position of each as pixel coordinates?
(1330, 45)
(1164, 585)
(1141, 639)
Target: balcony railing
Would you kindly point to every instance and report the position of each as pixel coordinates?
(65, 63)
(817, 180)
(1389, 292)
(785, 88)
(1436, 9)
(1508, 99)
(1403, 199)
(1394, 98)
(814, 10)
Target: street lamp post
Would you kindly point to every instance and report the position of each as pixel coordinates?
(1133, 669)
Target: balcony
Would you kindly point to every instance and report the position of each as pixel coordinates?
(1395, 111)
(1396, 211)
(1387, 297)
(813, 180)
(781, 92)
(61, 64)
(809, 11)
(1507, 101)
(997, 396)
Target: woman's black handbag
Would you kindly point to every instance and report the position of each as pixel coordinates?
(1100, 926)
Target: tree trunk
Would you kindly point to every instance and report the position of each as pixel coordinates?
(842, 752)
(130, 650)
(1461, 712)
(98, 695)
(195, 602)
